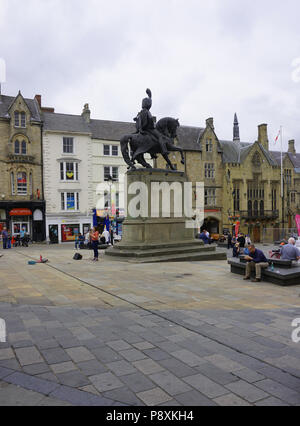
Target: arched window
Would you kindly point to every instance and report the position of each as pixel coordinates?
(255, 208)
(17, 146)
(24, 148)
(250, 208)
(22, 183)
(262, 208)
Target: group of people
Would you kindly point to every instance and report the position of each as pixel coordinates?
(241, 239)
(205, 237)
(257, 260)
(92, 239)
(9, 240)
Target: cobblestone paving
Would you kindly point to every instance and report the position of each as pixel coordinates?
(114, 333)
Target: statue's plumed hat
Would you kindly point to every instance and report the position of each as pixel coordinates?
(147, 102)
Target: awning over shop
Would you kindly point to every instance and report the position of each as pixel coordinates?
(20, 212)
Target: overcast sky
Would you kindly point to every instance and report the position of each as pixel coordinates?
(200, 58)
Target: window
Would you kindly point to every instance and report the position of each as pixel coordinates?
(274, 199)
(22, 183)
(210, 197)
(256, 160)
(209, 171)
(293, 197)
(70, 201)
(20, 119)
(208, 145)
(12, 182)
(68, 145)
(69, 171)
(236, 199)
(111, 172)
(24, 148)
(111, 150)
(23, 119)
(17, 119)
(288, 176)
(17, 147)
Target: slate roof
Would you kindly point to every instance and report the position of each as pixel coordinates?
(111, 130)
(7, 101)
(65, 123)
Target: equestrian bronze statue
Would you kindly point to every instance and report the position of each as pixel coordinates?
(150, 138)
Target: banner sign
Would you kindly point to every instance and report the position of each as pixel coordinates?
(297, 218)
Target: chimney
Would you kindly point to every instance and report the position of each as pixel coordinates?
(210, 123)
(263, 136)
(292, 148)
(86, 113)
(39, 100)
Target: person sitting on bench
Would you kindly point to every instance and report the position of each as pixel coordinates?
(256, 260)
(289, 251)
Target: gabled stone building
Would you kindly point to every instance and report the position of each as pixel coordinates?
(242, 181)
(22, 204)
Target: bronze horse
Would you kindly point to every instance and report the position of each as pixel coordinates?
(142, 143)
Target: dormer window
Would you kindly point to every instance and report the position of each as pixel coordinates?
(20, 119)
(209, 145)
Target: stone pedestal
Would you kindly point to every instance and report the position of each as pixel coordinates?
(155, 229)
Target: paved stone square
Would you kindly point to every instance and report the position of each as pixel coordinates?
(114, 333)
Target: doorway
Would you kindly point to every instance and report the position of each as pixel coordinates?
(256, 234)
(53, 234)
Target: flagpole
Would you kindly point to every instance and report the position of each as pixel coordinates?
(281, 133)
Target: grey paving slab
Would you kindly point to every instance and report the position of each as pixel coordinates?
(230, 400)
(170, 383)
(137, 382)
(154, 397)
(272, 402)
(206, 386)
(48, 376)
(80, 354)
(121, 368)
(55, 355)
(13, 395)
(47, 344)
(224, 363)
(133, 355)
(31, 383)
(247, 391)
(248, 375)
(74, 379)
(177, 367)
(216, 374)
(188, 357)
(35, 369)
(106, 382)
(119, 345)
(6, 353)
(4, 372)
(195, 399)
(143, 345)
(28, 356)
(148, 366)
(105, 354)
(63, 367)
(157, 354)
(280, 391)
(92, 368)
(11, 364)
(80, 398)
(123, 395)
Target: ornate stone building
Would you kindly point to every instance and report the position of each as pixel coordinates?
(22, 204)
(242, 181)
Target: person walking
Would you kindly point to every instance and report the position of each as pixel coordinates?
(95, 242)
(4, 238)
(8, 240)
(229, 241)
(256, 260)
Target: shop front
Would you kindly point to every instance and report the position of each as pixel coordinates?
(65, 229)
(28, 217)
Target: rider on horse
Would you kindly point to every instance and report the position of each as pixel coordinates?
(145, 123)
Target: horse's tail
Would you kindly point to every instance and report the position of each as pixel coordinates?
(125, 151)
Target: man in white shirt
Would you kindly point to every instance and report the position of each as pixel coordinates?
(106, 235)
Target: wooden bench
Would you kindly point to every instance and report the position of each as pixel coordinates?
(286, 273)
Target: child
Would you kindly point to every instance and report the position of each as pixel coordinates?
(236, 250)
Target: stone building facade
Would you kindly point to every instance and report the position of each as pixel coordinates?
(22, 204)
(242, 181)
